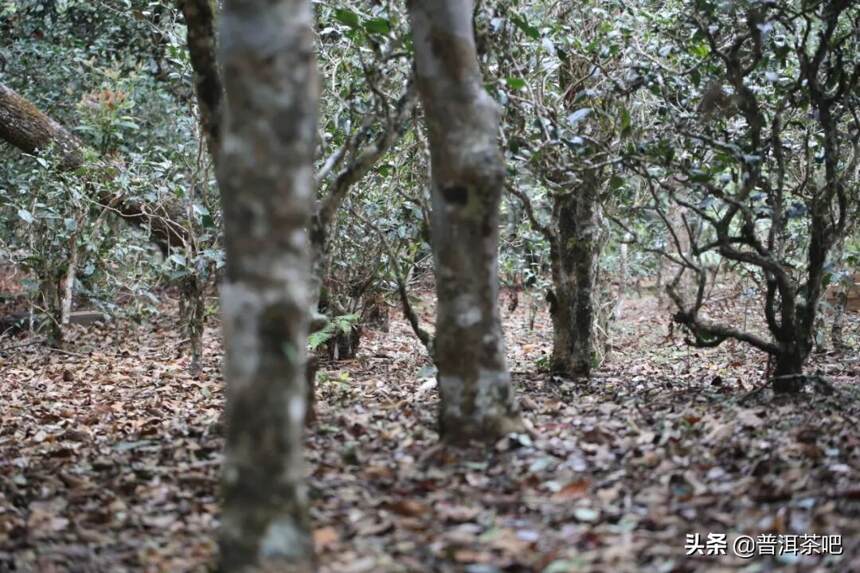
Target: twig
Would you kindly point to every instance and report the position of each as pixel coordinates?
(21, 345)
(68, 352)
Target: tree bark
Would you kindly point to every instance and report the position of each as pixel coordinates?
(574, 272)
(69, 283)
(265, 173)
(192, 311)
(200, 26)
(787, 376)
(837, 337)
(30, 130)
(477, 399)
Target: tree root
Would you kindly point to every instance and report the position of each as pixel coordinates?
(820, 382)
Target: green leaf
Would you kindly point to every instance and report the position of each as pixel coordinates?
(377, 26)
(515, 83)
(699, 176)
(626, 121)
(700, 50)
(345, 322)
(385, 169)
(523, 24)
(317, 339)
(25, 216)
(347, 17)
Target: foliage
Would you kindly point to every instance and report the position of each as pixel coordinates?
(339, 325)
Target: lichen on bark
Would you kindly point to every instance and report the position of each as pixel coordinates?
(477, 399)
(266, 181)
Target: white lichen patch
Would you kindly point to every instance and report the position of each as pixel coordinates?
(231, 473)
(241, 308)
(488, 387)
(296, 409)
(451, 389)
(283, 538)
(468, 311)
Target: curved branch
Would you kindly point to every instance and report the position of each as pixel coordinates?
(23, 125)
(527, 205)
(367, 157)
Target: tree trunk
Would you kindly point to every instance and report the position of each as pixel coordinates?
(49, 292)
(574, 280)
(787, 376)
(200, 25)
(622, 281)
(837, 338)
(193, 314)
(69, 283)
(477, 399)
(265, 173)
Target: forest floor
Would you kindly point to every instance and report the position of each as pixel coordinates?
(110, 452)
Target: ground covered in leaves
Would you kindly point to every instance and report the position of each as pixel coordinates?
(110, 451)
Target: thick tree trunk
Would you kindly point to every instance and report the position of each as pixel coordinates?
(574, 281)
(477, 399)
(265, 174)
(787, 374)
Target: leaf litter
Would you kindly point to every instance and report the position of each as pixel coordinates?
(110, 453)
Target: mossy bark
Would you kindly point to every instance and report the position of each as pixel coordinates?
(265, 173)
(477, 399)
(574, 260)
(200, 25)
(23, 125)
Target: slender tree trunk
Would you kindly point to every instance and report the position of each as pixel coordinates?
(837, 337)
(192, 309)
(573, 312)
(200, 25)
(840, 301)
(202, 50)
(477, 399)
(265, 174)
(49, 291)
(622, 281)
(69, 283)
